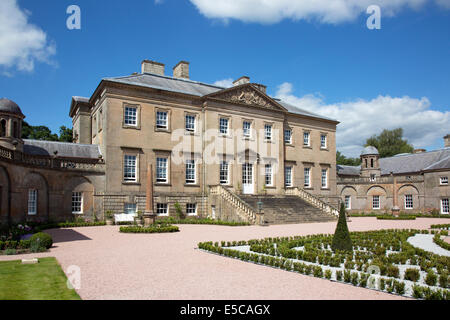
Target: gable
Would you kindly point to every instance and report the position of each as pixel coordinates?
(247, 94)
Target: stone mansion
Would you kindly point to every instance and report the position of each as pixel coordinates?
(228, 153)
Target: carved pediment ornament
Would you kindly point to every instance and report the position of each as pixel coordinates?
(247, 96)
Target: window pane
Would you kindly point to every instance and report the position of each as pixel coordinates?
(376, 202)
(307, 177)
(190, 123)
(306, 138)
(347, 202)
(161, 169)
(268, 171)
(445, 205)
(223, 127)
(77, 202)
(130, 116)
(288, 176)
(268, 132)
(246, 127)
(162, 209)
(129, 168)
(191, 209)
(288, 136)
(190, 171)
(224, 172)
(130, 208)
(324, 178)
(409, 201)
(32, 201)
(323, 141)
(161, 119)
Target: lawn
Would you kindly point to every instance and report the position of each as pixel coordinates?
(42, 281)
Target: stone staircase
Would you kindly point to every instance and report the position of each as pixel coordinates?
(285, 209)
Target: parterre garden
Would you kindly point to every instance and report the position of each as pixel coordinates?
(381, 260)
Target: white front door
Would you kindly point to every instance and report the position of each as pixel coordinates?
(247, 179)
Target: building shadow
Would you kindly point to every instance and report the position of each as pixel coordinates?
(66, 235)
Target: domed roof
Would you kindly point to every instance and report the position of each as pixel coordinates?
(369, 151)
(7, 105)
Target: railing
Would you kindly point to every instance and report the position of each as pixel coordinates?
(313, 200)
(382, 180)
(72, 164)
(243, 210)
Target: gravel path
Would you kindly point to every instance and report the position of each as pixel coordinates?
(425, 242)
(168, 266)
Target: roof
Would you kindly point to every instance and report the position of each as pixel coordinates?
(64, 149)
(9, 106)
(348, 170)
(369, 150)
(416, 162)
(195, 88)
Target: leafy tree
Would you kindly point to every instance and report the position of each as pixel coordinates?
(343, 160)
(341, 238)
(65, 134)
(390, 142)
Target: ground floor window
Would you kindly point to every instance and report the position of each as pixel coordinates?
(445, 206)
(288, 176)
(324, 178)
(191, 209)
(268, 175)
(77, 202)
(130, 208)
(32, 201)
(348, 202)
(307, 177)
(224, 172)
(376, 202)
(162, 209)
(408, 201)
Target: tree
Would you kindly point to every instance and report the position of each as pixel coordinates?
(44, 133)
(341, 238)
(65, 134)
(343, 160)
(390, 142)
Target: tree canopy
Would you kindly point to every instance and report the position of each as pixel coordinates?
(44, 133)
(343, 160)
(389, 143)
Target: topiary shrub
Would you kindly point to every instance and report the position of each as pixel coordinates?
(341, 238)
(412, 274)
(42, 239)
(431, 278)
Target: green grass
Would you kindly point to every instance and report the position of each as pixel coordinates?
(42, 281)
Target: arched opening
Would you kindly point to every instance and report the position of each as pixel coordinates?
(365, 161)
(371, 163)
(15, 130)
(3, 128)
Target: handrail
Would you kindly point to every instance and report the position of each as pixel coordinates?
(313, 200)
(243, 209)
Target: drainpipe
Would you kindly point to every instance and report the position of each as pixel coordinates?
(205, 202)
(395, 208)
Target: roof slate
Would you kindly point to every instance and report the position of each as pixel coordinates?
(65, 149)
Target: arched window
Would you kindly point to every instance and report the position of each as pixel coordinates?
(3, 128)
(15, 130)
(371, 163)
(365, 160)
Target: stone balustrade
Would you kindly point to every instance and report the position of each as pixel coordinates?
(313, 200)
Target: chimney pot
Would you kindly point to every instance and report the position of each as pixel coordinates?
(149, 66)
(181, 70)
(241, 80)
(419, 151)
(447, 141)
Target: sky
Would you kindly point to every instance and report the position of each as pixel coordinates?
(316, 54)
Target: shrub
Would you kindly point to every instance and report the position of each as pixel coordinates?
(179, 211)
(392, 271)
(354, 278)
(417, 291)
(339, 275)
(341, 238)
(443, 280)
(412, 274)
(347, 276)
(43, 239)
(10, 252)
(318, 272)
(431, 278)
(399, 287)
(328, 274)
(151, 229)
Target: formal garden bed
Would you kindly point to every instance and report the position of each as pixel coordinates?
(154, 228)
(202, 221)
(407, 216)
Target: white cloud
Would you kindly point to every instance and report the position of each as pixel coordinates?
(362, 118)
(226, 83)
(21, 43)
(325, 11)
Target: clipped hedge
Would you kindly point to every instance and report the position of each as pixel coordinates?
(400, 217)
(440, 226)
(151, 229)
(202, 221)
(41, 239)
(22, 244)
(441, 243)
(69, 225)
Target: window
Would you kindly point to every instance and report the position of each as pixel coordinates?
(3, 128)
(408, 201)
(100, 120)
(190, 123)
(445, 206)
(162, 209)
(307, 177)
(130, 208)
(444, 180)
(376, 202)
(288, 176)
(324, 178)
(130, 116)
(32, 201)
(306, 139)
(224, 172)
(161, 170)
(129, 168)
(15, 130)
(95, 126)
(161, 120)
(267, 132)
(190, 171)
(373, 177)
(191, 209)
(371, 163)
(323, 141)
(288, 136)
(268, 174)
(348, 202)
(77, 202)
(223, 125)
(246, 128)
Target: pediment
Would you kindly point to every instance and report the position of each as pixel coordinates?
(247, 94)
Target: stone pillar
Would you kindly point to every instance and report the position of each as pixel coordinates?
(395, 207)
(149, 215)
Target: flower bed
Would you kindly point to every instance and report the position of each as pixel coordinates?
(202, 221)
(440, 226)
(385, 252)
(158, 228)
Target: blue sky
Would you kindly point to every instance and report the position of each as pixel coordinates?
(323, 60)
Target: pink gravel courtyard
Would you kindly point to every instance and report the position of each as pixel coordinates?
(168, 266)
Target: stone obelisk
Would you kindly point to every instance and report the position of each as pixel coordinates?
(149, 215)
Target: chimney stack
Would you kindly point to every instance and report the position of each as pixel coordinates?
(447, 141)
(241, 80)
(419, 150)
(154, 67)
(181, 70)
